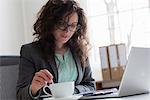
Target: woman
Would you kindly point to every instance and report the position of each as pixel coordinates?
(59, 53)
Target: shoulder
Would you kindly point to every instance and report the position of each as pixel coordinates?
(31, 48)
(31, 45)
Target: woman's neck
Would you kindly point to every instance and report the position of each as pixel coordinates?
(61, 49)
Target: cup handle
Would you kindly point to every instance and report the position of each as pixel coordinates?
(44, 90)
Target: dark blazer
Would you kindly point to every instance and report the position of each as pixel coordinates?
(31, 61)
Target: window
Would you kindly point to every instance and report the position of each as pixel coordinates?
(116, 21)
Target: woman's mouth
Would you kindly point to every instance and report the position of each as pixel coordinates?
(64, 36)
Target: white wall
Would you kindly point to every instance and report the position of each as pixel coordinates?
(16, 20)
(30, 10)
(11, 27)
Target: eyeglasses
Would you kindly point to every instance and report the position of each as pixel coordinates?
(62, 25)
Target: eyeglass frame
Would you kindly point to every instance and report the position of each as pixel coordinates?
(68, 26)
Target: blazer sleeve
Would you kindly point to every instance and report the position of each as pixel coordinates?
(87, 83)
(26, 73)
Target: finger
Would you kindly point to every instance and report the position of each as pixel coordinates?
(40, 79)
(39, 83)
(42, 75)
(45, 71)
(49, 75)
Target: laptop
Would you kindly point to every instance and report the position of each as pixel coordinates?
(135, 79)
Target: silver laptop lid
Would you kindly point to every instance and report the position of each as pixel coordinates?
(135, 78)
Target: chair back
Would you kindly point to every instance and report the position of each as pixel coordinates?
(8, 80)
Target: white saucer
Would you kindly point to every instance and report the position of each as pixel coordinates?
(74, 97)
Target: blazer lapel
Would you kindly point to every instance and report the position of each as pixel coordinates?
(79, 68)
(54, 68)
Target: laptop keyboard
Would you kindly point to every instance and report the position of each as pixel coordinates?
(100, 92)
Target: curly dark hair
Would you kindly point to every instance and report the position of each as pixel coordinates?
(50, 14)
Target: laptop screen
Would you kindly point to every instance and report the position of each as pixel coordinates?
(135, 78)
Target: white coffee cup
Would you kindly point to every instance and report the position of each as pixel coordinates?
(60, 90)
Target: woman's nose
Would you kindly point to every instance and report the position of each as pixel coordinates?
(67, 30)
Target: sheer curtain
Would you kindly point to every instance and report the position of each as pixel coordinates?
(116, 21)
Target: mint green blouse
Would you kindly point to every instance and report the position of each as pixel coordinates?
(67, 70)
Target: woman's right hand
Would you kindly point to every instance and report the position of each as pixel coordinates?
(40, 79)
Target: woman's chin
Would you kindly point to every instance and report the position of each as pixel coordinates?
(64, 40)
